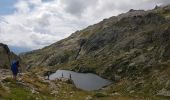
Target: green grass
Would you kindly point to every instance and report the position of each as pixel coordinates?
(19, 92)
(167, 15)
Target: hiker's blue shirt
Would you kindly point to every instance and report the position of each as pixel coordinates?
(14, 68)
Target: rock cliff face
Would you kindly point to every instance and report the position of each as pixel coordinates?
(127, 45)
(6, 57)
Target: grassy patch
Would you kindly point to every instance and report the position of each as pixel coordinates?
(100, 94)
(19, 92)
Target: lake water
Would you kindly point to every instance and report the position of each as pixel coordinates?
(84, 81)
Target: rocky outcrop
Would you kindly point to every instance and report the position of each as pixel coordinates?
(6, 56)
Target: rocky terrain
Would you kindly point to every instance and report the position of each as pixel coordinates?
(31, 86)
(132, 49)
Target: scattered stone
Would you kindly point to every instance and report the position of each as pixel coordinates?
(131, 64)
(54, 92)
(167, 84)
(64, 79)
(119, 70)
(131, 91)
(88, 98)
(115, 94)
(33, 91)
(164, 92)
(71, 92)
(117, 77)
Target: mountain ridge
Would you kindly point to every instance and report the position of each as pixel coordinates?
(79, 38)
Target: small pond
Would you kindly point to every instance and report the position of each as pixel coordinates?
(84, 81)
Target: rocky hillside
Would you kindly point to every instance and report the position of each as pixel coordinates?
(132, 48)
(6, 56)
(134, 40)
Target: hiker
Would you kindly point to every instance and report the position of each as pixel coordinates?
(14, 68)
(70, 76)
(62, 75)
(48, 75)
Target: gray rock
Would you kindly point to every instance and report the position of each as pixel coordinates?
(132, 91)
(89, 98)
(164, 92)
(115, 94)
(117, 77)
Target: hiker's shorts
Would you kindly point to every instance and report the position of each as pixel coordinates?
(14, 72)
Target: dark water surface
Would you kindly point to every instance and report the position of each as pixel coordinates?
(85, 81)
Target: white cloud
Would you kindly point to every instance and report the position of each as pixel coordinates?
(36, 24)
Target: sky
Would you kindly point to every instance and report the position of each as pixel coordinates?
(32, 24)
